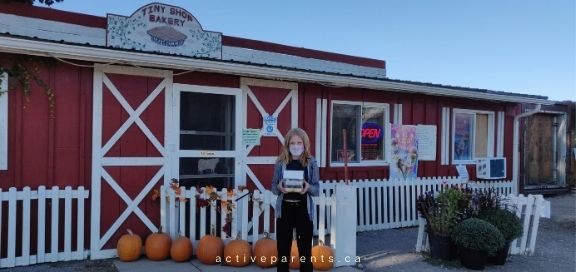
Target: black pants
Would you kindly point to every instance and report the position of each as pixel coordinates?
(294, 215)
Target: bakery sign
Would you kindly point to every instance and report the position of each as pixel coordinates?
(163, 28)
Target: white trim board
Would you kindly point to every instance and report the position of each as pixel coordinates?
(4, 122)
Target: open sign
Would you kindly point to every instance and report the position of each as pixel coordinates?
(371, 133)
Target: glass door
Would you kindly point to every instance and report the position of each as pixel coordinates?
(208, 140)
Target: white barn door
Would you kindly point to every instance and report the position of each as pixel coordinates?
(271, 106)
(131, 117)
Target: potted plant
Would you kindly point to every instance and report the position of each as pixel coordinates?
(476, 239)
(509, 225)
(442, 213)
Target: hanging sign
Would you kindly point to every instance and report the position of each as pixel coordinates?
(371, 133)
(163, 28)
(270, 125)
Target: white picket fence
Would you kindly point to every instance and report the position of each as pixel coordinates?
(384, 204)
(47, 206)
(59, 229)
(381, 204)
(528, 208)
(180, 208)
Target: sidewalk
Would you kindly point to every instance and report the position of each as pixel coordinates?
(195, 266)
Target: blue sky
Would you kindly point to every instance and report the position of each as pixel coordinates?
(521, 46)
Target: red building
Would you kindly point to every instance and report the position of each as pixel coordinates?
(121, 105)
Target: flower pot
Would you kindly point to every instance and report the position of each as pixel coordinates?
(501, 255)
(473, 259)
(441, 247)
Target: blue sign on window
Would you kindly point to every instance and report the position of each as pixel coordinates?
(371, 133)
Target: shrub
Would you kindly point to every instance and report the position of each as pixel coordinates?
(506, 221)
(477, 234)
(483, 200)
(443, 212)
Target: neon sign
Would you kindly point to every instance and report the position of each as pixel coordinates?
(371, 133)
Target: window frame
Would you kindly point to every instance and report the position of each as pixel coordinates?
(491, 136)
(386, 136)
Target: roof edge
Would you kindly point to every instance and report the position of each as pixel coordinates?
(122, 57)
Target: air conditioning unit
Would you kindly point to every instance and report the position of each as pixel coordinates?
(491, 168)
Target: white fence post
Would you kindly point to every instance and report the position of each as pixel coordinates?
(343, 232)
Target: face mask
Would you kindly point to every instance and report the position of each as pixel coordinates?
(296, 150)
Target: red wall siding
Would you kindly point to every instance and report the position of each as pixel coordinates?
(50, 151)
(416, 109)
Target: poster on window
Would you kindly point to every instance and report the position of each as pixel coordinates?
(463, 136)
(404, 152)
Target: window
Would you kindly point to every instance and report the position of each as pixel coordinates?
(3, 121)
(365, 125)
(472, 135)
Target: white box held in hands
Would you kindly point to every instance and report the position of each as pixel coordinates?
(293, 180)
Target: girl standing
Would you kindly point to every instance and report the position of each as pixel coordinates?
(295, 209)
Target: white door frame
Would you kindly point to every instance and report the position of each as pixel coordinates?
(99, 150)
(236, 153)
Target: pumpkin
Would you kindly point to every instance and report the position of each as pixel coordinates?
(238, 253)
(322, 257)
(210, 248)
(129, 247)
(158, 246)
(294, 256)
(265, 251)
(181, 249)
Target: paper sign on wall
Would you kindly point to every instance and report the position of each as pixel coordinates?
(270, 124)
(426, 135)
(251, 136)
(462, 171)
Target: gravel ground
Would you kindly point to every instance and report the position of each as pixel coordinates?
(394, 250)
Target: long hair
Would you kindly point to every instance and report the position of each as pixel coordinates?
(285, 152)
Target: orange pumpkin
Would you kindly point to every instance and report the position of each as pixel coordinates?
(181, 249)
(294, 256)
(129, 247)
(322, 257)
(158, 246)
(238, 253)
(210, 248)
(266, 251)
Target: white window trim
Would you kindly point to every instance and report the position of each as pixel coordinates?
(384, 162)
(4, 122)
(490, 142)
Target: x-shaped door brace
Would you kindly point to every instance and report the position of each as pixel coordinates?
(134, 116)
(132, 204)
(263, 112)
